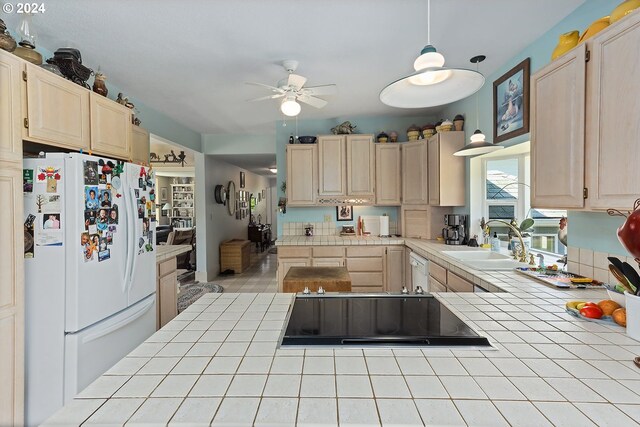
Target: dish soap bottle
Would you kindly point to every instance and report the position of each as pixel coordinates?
(495, 243)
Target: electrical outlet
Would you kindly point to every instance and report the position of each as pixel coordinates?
(327, 218)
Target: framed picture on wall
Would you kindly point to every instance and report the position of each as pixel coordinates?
(163, 194)
(344, 213)
(241, 179)
(511, 103)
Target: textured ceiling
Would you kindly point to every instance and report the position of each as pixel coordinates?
(189, 59)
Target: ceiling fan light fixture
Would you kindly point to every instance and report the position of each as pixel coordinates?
(290, 107)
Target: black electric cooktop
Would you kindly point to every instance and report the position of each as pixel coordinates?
(365, 320)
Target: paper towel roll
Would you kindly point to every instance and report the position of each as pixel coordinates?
(384, 226)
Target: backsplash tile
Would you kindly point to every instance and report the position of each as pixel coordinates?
(593, 264)
(328, 228)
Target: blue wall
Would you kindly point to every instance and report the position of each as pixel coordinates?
(373, 125)
(596, 231)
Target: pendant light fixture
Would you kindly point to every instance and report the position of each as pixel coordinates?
(479, 143)
(432, 84)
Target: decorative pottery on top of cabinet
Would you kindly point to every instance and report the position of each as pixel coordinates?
(57, 110)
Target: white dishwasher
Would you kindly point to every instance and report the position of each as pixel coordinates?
(419, 272)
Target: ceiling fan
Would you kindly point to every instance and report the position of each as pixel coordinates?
(292, 90)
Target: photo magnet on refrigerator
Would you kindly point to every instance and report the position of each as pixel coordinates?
(90, 172)
(27, 180)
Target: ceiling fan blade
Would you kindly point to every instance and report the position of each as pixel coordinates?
(262, 98)
(272, 88)
(321, 90)
(296, 81)
(312, 100)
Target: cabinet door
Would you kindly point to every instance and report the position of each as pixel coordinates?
(302, 181)
(456, 283)
(360, 165)
(285, 264)
(11, 294)
(447, 173)
(613, 117)
(57, 109)
(110, 127)
(435, 286)
(557, 132)
(139, 145)
(388, 174)
(332, 166)
(168, 297)
(11, 68)
(433, 172)
(414, 173)
(395, 277)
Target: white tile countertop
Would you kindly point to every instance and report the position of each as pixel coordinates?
(218, 363)
(338, 240)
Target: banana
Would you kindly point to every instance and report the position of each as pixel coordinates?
(573, 305)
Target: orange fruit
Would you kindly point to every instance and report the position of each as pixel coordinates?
(620, 316)
(608, 306)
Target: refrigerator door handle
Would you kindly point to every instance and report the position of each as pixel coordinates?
(129, 251)
(121, 324)
(132, 245)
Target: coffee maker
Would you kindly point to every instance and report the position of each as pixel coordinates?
(455, 232)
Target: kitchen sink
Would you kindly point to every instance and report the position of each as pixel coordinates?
(478, 255)
(484, 260)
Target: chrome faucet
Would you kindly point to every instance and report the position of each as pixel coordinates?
(520, 255)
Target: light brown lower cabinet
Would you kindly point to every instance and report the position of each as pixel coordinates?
(166, 292)
(443, 280)
(371, 268)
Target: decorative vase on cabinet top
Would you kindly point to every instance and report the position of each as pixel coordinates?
(594, 29)
(567, 42)
(623, 9)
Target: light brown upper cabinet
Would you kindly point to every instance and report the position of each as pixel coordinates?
(110, 127)
(332, 165)
(586, 122)
(388, 174)
(346, 166)
(139, 145)
(613, 116)
(302, 174)
(557, 132)
(10, 107)
(446, 172)
(414, 173)
(361, 165)
(57, 110)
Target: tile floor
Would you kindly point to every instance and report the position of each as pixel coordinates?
(260, 277)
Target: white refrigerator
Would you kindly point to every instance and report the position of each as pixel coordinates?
(90, 272)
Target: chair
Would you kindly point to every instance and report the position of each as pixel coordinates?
(182, 237)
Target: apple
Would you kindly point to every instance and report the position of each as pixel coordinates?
(629, 233)
(591, 311)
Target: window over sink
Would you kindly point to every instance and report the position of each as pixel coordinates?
(504, 189)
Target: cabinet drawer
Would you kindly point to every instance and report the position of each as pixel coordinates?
(166, 267)
(438, 272)
(327, 262)
(327, 251)
(367, 280)
(294, 252)
(436, 286)
(364, 264)
(364, 251)
(458, 284)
